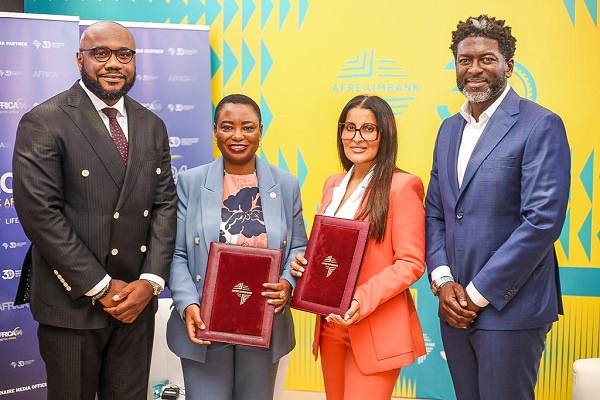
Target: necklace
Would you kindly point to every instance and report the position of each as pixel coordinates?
(227, 173)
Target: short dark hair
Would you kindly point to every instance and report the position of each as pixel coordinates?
(378, 190)
(237, 99)
(487, 27)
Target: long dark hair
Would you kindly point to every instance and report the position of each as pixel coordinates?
(378, 190)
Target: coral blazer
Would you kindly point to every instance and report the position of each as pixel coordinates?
(388, 334)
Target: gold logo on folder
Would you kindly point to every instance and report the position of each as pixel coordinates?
(331, 264)
(242, 291)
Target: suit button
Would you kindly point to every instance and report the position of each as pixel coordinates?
(272, 195)
(85, 173)
(65, 284)
(198, 277)
(459, 216)
(284, 243)
(68, 288)
(197, 240)
(143, 249)
(146, 213)
(56, 272)
(114, 252)
(506, 296)
(158, 170)
(116, 215)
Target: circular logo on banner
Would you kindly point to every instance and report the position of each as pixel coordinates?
(521, 81)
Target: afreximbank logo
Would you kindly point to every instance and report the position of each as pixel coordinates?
(14, 334)
(521, 81)
(370, 73)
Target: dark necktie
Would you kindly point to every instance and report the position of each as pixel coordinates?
(117, 133)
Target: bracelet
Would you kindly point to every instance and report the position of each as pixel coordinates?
(102, 294)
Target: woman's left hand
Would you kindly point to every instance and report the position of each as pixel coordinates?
(279, 293)
(350, 317)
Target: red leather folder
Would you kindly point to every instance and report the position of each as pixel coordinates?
(335, 252)
(232, 307)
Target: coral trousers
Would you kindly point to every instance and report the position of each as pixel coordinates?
(342, 376)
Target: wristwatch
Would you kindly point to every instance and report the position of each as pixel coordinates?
(436, 284)
(156, 288)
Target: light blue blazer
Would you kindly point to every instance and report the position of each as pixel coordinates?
(498, 229)
(200, 193)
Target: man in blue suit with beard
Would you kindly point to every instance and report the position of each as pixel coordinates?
(495, 206)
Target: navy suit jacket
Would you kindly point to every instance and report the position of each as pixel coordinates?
(200, 192)
(498, 229)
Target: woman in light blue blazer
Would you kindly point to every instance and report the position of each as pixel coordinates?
(240, 199)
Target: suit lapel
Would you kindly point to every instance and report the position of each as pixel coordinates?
(271, 200)
(81, 111)
(457, 128)
(211, 201)
(498, 126)
(137, 126)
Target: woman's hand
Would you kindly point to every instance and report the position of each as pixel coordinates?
(193, 322)
(298, 265)
(350, 317)
(279, 293)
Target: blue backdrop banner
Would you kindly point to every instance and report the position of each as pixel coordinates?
(37, 61)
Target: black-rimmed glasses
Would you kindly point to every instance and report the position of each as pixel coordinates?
(368, 132)
(103, 54)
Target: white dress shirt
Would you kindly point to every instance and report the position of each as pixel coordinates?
(350, 207)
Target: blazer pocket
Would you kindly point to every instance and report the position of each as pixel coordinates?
(501, 162)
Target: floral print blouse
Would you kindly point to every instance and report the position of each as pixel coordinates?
(242, 220)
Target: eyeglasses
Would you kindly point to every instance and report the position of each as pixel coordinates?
(368, 132)
(103, 54)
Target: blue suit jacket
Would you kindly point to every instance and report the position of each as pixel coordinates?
(200, 193)
(498, 230)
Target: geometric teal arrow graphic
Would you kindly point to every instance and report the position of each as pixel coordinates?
(248, 62)
(263, 155)
(592, 6)
(587, 176)
(585, 235)
(564, 234)
(284, 9)
(570, 5)
(266, 8)
(267, 116)
(302, 169)
(231, 8)
(248, 8)
(282, 163)
(215, 62)
(303, 9)
(230, 62)
(213, 8)
(266, 62)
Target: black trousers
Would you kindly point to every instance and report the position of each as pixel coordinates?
(113, 363)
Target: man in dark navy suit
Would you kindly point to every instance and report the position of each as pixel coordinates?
(495, 206)
(94, 192)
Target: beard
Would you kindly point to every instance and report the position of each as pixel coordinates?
(495, 88)
(103, 94)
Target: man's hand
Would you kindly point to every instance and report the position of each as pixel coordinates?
(193, 322)
(454, 306)
(132, 299)
(116, 286)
